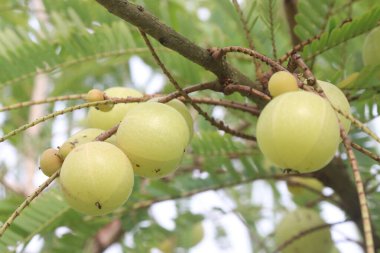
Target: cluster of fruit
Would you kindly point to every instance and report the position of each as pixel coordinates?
(299, 130)
(97, 177)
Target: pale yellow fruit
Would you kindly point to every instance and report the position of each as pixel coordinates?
(299, 221)
(81, 137)
(154, 137)
(282, 82)
(96, 178)
(189, 239)
(95, 95)
(339, 100)
(168, 245)
(298, 130)
(300, 190)
(50, 162)
(181, 108)
(106, 120)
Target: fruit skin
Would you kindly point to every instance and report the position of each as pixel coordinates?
(371, 48)
(339, 100)
(81, 137)
(282, 82)
(50, 162)
(302, 191)
(299, 131)
(153, 136)
(95, 95)
(192, 238)
(298, 221)
(96, 178)
(182, 109)
(106, 120)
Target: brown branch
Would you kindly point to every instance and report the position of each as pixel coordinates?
(146, 22)
(219, 124)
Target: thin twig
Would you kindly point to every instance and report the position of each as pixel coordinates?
(366, 152)
(219, 124)
(367, 226)
(26, 202)
(305, 232)
(43, 101)
(273, 64)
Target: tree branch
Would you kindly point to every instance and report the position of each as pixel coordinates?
(137, 16)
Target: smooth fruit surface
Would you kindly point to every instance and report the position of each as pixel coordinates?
(371, 48)
(184, 111)
(81, 137)
(96, 178)
(299, 131)
(50, 162)
(296, 189)
(299, 221)
(339, 100)
(106, 120)
(282, 82)
(153, 136)
(192, 237)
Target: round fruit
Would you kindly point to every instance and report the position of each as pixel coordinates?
(371, 48)
(168, 245)
(300, 190)
(96, 178)
(153, 136)
(95, 95)
(81, 137)
(299, 131)
(50, 162)
(281, 82)
(339, 100)
(106, 120)
(300, 221)
(181, 108)
(190, 239)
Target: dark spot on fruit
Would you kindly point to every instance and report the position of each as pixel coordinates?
(157, 170)
(84, 136)
(137, 165)
(184, 151)
(98, 205)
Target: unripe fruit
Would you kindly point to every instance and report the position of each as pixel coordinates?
(106, 120)
(339, 100)
(96, 178)
(302, 191)
(282, 82)
(191, 238)
(168, 245)
(95, 95)
(153, 136)
(299, 131)
(182, 109)
(50, 162)
(81, 137)
(299, 221)
(371, 48)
